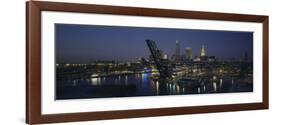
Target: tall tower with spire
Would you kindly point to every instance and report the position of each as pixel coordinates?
(177, 53)
(203, 51)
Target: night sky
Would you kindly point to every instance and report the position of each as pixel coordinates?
(88, 43)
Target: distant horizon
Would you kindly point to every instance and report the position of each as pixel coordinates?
(89, 43)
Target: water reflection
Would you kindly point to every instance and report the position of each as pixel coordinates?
(220, 82)
(74, 82)
(126, 80)
(215, 86)
(144, 85)
(178, 89)
(204, 88)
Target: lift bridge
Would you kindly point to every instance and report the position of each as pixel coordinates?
(161, 64)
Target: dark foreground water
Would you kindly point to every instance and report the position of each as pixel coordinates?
(143, 85)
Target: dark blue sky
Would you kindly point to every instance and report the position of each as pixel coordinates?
(87, 43)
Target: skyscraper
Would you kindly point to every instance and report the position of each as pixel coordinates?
(177, 54)
(188, 51)
(203, 51)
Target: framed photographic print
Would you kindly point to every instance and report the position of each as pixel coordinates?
(93, 62)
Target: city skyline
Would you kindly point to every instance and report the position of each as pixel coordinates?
(88, 43)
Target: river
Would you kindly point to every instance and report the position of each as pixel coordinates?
(143, 85)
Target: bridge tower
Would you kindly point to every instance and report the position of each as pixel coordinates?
(158, 58)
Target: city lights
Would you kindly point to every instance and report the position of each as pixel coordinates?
(170, 64)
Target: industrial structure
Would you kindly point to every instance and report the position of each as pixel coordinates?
(160, 62)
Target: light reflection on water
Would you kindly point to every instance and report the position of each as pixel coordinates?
(126, 80)
(220, 82)
(204, 88)
(157, 87)
(145, 86)
(74, 82)
(215, 86)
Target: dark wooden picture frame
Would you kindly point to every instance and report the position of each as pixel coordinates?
(33, 61)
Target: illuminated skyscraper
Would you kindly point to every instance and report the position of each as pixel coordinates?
(203, 51)
(188, 51)
(177, 54)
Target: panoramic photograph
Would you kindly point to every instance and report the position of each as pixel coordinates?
(95, 61)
